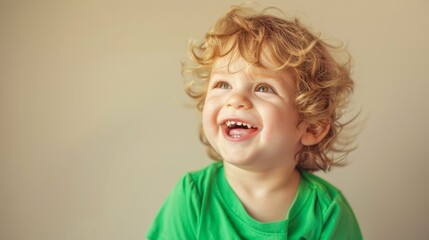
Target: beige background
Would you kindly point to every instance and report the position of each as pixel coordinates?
(94, 132)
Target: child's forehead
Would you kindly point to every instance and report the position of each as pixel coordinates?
(228, 65)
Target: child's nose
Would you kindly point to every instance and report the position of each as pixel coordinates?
(239, 100)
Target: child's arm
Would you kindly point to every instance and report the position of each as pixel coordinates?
(340, 221)
(179, 214)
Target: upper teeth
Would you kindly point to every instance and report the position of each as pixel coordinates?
(232, 123)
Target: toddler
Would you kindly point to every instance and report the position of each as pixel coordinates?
(271, 96)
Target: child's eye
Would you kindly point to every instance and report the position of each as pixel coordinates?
(264, 88)
(222, 84)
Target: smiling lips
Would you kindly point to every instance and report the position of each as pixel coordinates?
(238, 130)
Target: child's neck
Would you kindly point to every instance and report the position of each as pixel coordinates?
(266, 195)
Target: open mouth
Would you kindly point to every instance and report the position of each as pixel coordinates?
(238, 130)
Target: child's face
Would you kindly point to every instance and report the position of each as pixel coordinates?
(249, 115)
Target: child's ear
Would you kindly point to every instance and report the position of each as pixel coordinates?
(313, 135)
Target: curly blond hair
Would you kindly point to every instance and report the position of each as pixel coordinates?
(323, 83)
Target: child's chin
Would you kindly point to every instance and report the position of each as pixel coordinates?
(238, 161)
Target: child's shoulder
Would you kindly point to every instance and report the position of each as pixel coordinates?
(204, 177)
(207, 172)
(325, 191)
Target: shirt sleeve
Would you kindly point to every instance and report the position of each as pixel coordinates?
(179, 214)
(340, 221)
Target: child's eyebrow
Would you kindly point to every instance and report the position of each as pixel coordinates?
(217, 74)
(217, 71)
(265, 74)
(254, 74)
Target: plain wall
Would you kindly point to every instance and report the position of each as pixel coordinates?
(94, 131)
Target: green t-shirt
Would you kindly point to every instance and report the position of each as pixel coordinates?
(204, 206)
